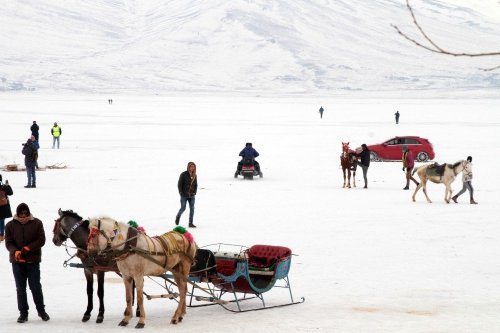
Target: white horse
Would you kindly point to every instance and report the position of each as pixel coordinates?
(139, 255)
(451, 171)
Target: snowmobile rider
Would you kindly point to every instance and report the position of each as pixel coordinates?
(248, 152)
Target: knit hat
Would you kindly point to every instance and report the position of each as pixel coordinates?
(0, 178)
(469, 158)
(22, 208)
(364, 146)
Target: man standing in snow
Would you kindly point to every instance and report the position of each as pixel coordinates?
(24, 239)
(365, 161)
(56, 133)
(467, 182)
(321, 112)
(34, 130)
(187, 186)
(397, 117)
(30, 152)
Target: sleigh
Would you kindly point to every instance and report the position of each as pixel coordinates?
(236, 277)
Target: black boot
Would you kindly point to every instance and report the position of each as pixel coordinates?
(28, 186)
(191, 225)
(33, 186)
(22, 318)
(177, 218)
(44, 316)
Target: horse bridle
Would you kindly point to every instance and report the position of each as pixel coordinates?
(58, 226)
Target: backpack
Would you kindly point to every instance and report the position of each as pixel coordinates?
(3, 198)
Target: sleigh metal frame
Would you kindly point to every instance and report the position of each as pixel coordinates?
(235, 275)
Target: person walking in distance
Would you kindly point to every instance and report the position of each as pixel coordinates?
(467, 182)
(187, 186)
(30, 152)
(34, 130)
(56, 134)
(321, 112)
(5, 210)
(408, 165)
(396, 115)
(24, 239)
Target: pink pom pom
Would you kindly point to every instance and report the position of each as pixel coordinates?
(189, 237)
(141, 230)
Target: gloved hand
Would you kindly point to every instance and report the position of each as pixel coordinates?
(403, 168)
(25, 250)
(19, 256)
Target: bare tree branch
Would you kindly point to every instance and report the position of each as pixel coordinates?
(436, 48)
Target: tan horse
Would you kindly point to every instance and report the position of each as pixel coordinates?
(139, 255)
(450, 173)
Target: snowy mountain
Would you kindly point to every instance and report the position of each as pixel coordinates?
(298, 47)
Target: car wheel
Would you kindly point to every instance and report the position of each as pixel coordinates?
(422, 156)
(374, 156)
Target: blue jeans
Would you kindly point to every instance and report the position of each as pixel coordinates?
(31, 175)
(2, 227)
(183, 207)
(55, 138)
(29, 272)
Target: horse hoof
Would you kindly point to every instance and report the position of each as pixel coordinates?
(173, 321)
(123, 323)
(140, 325)
(86, 318)
(180, 319)
(99, 319)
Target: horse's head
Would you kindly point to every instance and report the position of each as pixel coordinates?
(345, 147)
(64, 227)
(102, 233)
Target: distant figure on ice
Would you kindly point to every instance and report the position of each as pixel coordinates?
(56, 133)
(34, 129)
(321, 112)
(467, 182)
(110, 101)
(397, 117)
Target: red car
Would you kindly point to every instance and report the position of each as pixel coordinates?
(392, 149)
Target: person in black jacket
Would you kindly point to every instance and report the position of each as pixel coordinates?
(365, 162)
(5, 210)
(34, 130)
(24, 239)
(30, 152)
(187, 186)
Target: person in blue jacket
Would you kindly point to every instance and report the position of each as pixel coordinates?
(247, 152)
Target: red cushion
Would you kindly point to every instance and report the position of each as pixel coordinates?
(267, 255)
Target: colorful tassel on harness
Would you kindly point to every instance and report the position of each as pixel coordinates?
(183, 231)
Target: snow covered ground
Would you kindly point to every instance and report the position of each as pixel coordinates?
(369, 260)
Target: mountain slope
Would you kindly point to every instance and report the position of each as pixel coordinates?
(284, 47)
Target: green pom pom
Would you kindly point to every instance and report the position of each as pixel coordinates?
(133, 224)
(180, 229)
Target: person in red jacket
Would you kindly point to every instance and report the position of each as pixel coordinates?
(24, 239)
(408, 164)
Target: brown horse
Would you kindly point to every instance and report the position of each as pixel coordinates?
(348, 164)
(450, 172)
(139, 255)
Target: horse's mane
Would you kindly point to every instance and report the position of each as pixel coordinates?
(455, 164)
(71, 213)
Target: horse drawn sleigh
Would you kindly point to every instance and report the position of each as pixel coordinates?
(219, 274)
